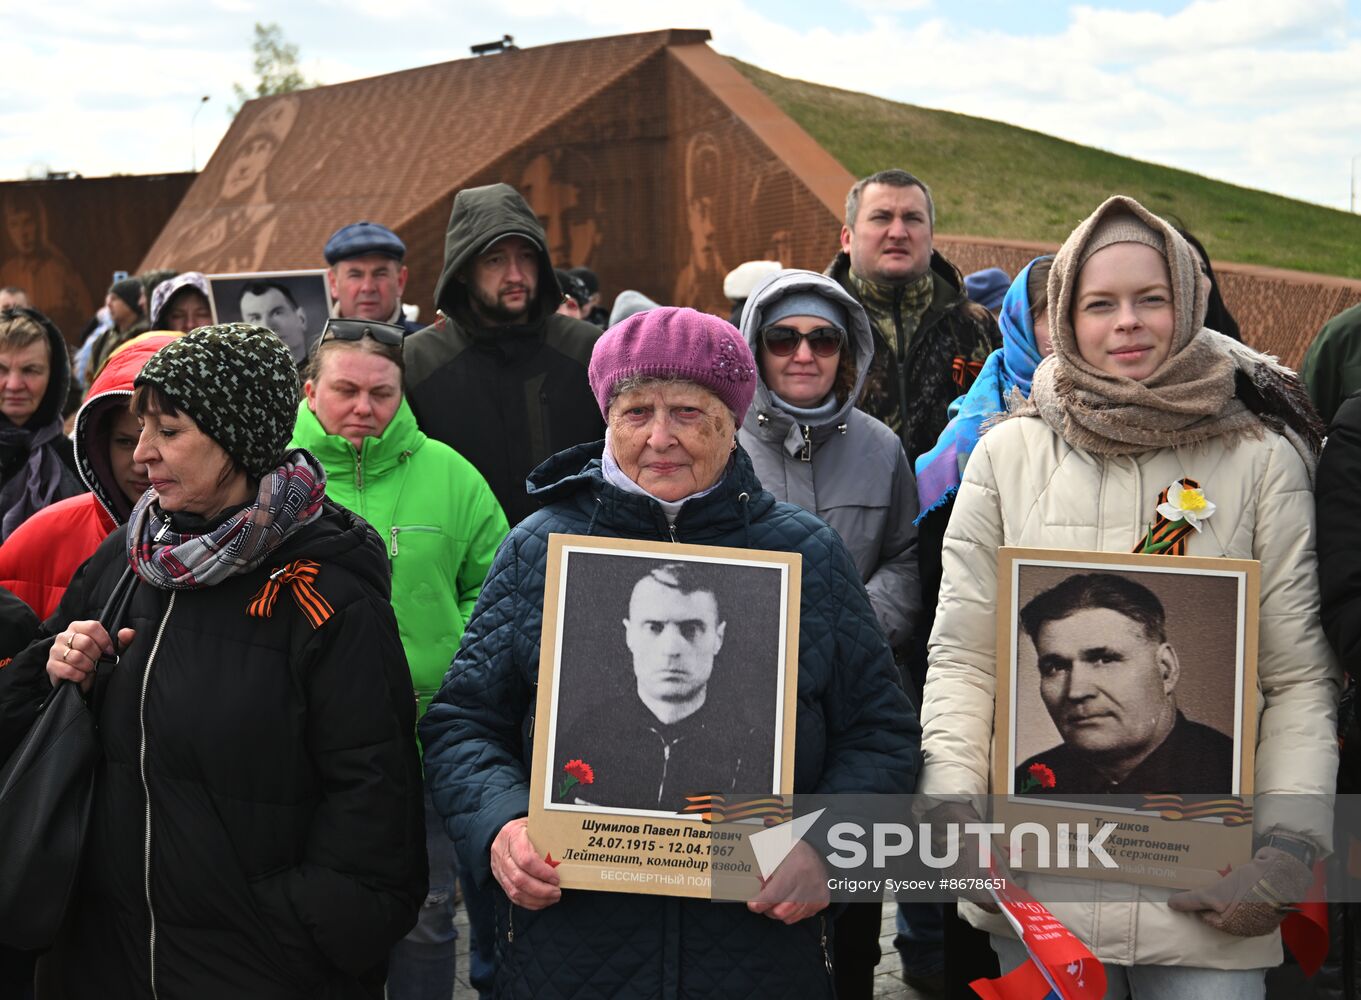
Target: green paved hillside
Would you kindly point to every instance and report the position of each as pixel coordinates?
(992, 179)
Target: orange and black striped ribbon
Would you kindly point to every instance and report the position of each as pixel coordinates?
(964, 372)
(1233, 811)
(1167, 538)
(300, 576)
(717, 809)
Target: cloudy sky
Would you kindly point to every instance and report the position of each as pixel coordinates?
(1264, 94)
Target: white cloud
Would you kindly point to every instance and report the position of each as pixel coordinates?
(1202, 26)
(892, 6)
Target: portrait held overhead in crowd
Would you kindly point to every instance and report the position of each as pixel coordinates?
(292, 305)
(536, 526)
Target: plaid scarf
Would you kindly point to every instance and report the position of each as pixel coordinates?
(289, 497)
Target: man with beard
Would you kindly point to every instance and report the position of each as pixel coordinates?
(501, 377)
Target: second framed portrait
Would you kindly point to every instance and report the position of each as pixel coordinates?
(1126, 690)
(294, 304)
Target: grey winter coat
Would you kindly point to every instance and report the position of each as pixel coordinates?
(850, 469)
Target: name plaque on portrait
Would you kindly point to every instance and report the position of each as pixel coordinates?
(1127, 703)
(668, 678)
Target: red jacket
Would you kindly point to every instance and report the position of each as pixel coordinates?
(39, 558)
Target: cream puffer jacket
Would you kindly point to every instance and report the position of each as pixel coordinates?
(1026, 486)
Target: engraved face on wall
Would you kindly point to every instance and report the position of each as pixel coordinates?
(245, 173)
(700, 282)
(560, 186)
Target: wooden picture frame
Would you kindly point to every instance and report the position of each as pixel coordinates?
(628, 626)
(1077, 723)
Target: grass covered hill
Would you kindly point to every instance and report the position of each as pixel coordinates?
(998, 180)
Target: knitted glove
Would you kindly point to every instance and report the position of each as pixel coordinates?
(957, 814)
(1251, 900)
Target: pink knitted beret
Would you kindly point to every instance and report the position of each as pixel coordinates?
(671, 342)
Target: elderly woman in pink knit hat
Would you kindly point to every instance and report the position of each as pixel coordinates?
(673, 385)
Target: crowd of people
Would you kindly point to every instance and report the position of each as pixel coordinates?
(302, 588)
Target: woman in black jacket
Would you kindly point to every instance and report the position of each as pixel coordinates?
(257, 825)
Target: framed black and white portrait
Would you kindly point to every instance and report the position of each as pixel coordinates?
(294, 304)
(667, 681)
(1126, 684)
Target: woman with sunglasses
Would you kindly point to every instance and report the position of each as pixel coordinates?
(812, 447)
(440, 525)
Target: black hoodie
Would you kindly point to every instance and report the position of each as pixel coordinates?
(504, 397)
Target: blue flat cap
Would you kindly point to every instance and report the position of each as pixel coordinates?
(359, 239)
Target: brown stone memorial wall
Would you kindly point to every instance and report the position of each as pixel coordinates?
(62, 239)
(649, 158)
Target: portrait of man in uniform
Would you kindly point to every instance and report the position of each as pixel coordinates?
(1109, 678)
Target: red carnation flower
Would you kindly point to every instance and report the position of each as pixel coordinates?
(1043, 775)
(583, 772)
(578, 772)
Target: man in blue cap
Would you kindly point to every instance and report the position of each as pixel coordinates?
(367, 276)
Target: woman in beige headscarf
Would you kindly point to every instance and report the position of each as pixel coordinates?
(1137, 399)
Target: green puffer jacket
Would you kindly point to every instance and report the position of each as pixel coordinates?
(438, 519)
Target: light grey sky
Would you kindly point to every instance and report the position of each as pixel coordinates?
(1263, 94)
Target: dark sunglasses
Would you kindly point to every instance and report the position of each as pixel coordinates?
(358, 329)
(782, 341)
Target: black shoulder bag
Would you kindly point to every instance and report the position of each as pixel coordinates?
(45, 792)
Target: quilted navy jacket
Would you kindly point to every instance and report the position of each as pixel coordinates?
(856, 732)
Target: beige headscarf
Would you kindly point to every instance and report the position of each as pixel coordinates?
(1195, 395)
